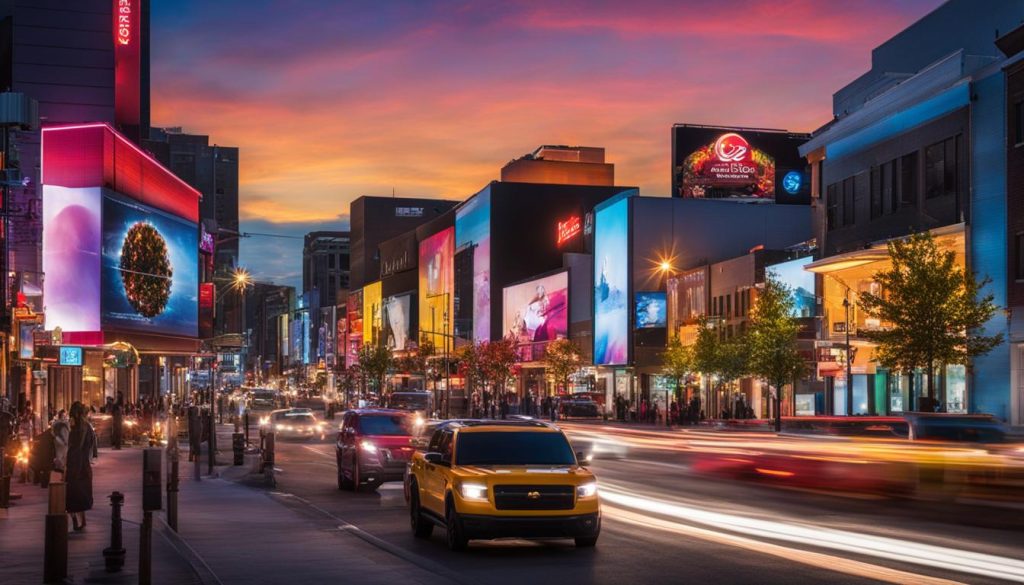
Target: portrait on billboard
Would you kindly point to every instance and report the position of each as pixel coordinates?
(396, 322)
(651, 310)
(537, 310)
(149, 270)
(436, 281)
(800, 283)
(611, 284)
(72, 227)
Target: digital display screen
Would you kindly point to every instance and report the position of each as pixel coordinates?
(70, 356)
(436, 281)
(800, 283)
(729, 167)
(473, 230)
(651, 310)
(537, 310)
(397, 322)
(371, 312)
(26, 340)
(71, 257)
(149, 268)
(611, 284)
(354, 314)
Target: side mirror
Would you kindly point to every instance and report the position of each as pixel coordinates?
(435, 458)
(584, 458)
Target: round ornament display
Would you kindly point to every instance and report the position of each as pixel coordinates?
(146, 270)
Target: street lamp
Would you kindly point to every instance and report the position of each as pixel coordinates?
(666, 270)
(849, 358)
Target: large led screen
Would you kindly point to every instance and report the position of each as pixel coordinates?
(436, 281)
(396, 315)
(729, 167)
(651, 310)
(371, 312)
(800, 283)
(354, 316)
(537, 310)
(473, 231)
(149, 270)
(611, 284)
(71, 257)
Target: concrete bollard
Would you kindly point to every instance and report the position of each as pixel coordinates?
(55, 547)
(114, 555)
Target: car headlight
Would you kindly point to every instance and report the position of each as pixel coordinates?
(587, 490)
(368, 447)
(279, 427)
(474, 491)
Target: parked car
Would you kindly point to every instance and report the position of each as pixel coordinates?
(373, 447)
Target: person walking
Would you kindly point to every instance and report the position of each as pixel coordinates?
(78, 474)
(61, 431)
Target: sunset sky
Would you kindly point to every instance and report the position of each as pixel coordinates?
(335, 99)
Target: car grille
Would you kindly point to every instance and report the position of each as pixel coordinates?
(534, 497)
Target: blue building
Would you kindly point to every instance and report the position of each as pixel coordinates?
(917, 143)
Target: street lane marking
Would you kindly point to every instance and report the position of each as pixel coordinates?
(903, 551)
(814, 559)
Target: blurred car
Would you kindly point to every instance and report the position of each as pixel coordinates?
(296, 423)
(579, 408)
(964, 428)
(499, 479)
(373, 447)
(421, 402)
(264, 399)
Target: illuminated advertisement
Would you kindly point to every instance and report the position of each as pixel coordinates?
(611, 284)
(651, 310)
(397, 323)
(729, 167)
(70, 356)
(568, 229)
(207, 295)
(537, 310)
(72, 228)
(436, 281)
(149, 268)
(371, 312)
(354, 316)
(693, 295)
(800, 283)
(473, 231)
(27, 339)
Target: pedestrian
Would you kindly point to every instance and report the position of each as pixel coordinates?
(61, 431)
(78, 472)
(116, 411)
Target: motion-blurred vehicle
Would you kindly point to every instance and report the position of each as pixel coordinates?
(961, 428)
(421, 402)
(498, 479)
(373, 447)
(579, 407)
(264, 399)
(296, 423)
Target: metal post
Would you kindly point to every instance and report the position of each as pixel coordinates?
(172, 494)
(211, 444)
(246, 417)
(146, 549)
(114, 554)
(55, 547)
(5, 481)
(849, 359)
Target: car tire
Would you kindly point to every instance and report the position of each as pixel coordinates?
(456, 536)
(343, 482)
(586, 541)
(356, 476)
(421, 527)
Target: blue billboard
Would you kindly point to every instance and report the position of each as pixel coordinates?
(473, 232)
(651, 310)
(800, 283)
(149, 270)
(611, 284)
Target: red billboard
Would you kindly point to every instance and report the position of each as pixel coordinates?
(207, 298)
(127, 64)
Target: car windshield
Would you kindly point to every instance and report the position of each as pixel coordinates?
(394, 425)
(513, 448)
(301, 418)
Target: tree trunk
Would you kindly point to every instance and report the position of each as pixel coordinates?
(778, 408)
(931, 379)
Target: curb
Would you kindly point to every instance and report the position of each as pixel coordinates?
(184, 549)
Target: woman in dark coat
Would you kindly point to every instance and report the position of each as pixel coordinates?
(78, 474)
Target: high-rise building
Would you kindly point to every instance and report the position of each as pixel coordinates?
(325, 264)
(561, 165)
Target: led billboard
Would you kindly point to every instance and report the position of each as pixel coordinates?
(436, 281)
(397, 324)
(354, 316)
(537, 310)
(72, 225)
(800, 283)
(149, 268)
(473, 232)
(371, 312)
(611, 284)
(651, 310)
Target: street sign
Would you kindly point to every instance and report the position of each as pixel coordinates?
(70, 356)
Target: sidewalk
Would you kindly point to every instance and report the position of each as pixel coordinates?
(228, 533)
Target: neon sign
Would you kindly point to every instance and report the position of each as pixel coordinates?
(124, 22)
(569, 229)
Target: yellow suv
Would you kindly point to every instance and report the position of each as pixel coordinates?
(497, 479)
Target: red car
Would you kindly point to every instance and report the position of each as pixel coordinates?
(373, 447)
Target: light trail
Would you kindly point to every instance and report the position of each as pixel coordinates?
(902, 551)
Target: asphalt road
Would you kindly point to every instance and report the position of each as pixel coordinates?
(664, 522)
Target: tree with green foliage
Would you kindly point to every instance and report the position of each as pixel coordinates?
(772, 337)
(716, 355)
(931, 309)
(375, 361)
(562, 358)
(678, 362)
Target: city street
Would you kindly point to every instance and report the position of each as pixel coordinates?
(662, 522)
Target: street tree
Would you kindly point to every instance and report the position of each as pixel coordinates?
(932, 310)
(562, 358)
(471, 367)
(732, 361)
(499, 362)
(375, 361)
(772, 340)
(678, 362)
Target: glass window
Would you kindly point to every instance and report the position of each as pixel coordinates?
(849, 201)
(908, 179)
(860, 394)
(831, 207)
(956, 389)
(384, 425)
(1018, 123)
(514, 448)
(1019, 250)
(876, 192)
(940, 168)
(888, 180)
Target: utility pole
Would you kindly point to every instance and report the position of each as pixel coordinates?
(849, 359)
